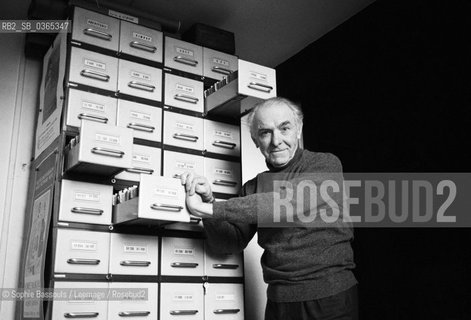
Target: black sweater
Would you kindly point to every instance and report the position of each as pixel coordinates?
(300, 261)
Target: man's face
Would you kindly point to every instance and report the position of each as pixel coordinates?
(277, 133)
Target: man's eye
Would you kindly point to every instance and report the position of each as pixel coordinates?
(263, 133)
(284, 129)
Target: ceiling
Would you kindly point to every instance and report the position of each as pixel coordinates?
(266, 31)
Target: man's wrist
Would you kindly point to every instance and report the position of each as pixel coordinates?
(205, 211)
(209, 199)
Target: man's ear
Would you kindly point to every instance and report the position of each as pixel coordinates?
(300, 130)
(255, 141)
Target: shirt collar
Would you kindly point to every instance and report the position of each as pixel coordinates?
(296, 157)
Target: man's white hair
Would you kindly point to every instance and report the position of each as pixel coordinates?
(296, 109)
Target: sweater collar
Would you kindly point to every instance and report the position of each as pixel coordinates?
(297, 155)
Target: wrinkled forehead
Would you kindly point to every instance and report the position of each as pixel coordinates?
(274, 113)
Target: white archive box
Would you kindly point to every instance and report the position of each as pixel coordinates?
(145, 121)
(78, 307)
(95, 28)
(182, 301)
(87, 106)
(224, 301)
(141, 41)
(176, 163)
(139, 305)
(85, 202)
(184, 56)
(183, 131)
(93, 69)
(184, 93)
(221, 138)
(82, 251)
(256, 80)
(182, 257)
(223, 265)
(218, 65)
(101, 149)
(132, 254)
(145, 161)
(161, 199)
(253, 84)
(224, 176)
(140, 80)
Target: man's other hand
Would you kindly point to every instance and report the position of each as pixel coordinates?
(197, 184)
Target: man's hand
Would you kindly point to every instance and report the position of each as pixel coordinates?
(197, 184)
(198, 195)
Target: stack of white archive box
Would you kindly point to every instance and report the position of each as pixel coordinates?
(134, 118)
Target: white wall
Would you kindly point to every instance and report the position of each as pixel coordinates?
(19, 84)
(253, 163)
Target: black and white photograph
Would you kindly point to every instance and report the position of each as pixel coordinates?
(235, 160)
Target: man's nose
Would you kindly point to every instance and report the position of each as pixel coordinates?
(276, 139)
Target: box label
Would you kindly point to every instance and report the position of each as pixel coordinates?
(107, 138)
(123, 16)
(87, 196)
(140, 115)
(225, 297)
(184, 251)
(183, 297)
(165, 192)
(223, 134)
(83, 245)
(184, 88)
(185, 165)
(259, 76)
(140, 75)
(95, 64)
(184, 126)
(221, 62)
(97, 24)
(141, 158)
(223, 172)
(141, 36)
(129, 248)
(184, 51)
(93, 106)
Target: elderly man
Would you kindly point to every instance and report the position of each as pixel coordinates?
(307, 268)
